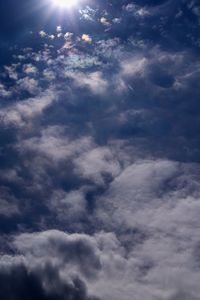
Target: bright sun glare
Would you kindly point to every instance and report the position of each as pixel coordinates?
(64, 3)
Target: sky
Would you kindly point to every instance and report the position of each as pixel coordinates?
(99, 150)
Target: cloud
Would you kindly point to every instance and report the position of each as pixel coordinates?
(135, 66)
(75, 252)
(42, 34)
(88, 14)
(104, 21)
(94, 81)
(29, 69)
(103, 264)
(96, 163)
(54, 144)
(59, 28)
(28, 84)
(4, 92)
(11, 71)
(8, 204)
(99, 154)
(146, 186)
(68, 35)
(43, 283)
(154, 198)
(22, 112)
(69, 207)
(86, 38)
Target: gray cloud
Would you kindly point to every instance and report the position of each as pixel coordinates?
(42, 283)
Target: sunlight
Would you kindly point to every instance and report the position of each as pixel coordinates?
(64, 3)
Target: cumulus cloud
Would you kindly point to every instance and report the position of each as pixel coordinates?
(74, 251)
(97, 162)
(147, 186)
(100, 262)
(42, 283)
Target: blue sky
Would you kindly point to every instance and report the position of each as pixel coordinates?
(99, 150)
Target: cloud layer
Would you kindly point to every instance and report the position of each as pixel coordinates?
(99, 152)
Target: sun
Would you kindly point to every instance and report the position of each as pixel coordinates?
(64, 3)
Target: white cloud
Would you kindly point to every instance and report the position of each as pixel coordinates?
(23, 112)
(28, 84)
(97, 162)
(42, 34)
(86, 38)
(94, 81)
(11, 71)
(134, 66)
(30, 69)
(59, 28)
(104, 21)
(4, 92)
(54, 144)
